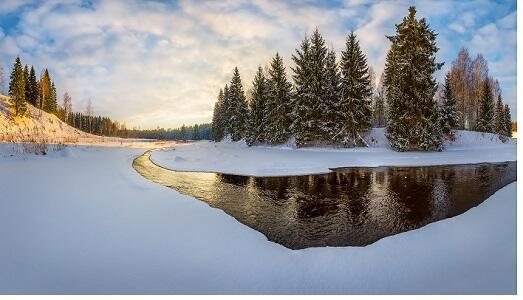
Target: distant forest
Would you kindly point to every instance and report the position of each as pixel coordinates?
(194, 132)
(104, 126)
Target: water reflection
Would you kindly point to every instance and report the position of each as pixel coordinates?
(347, 207)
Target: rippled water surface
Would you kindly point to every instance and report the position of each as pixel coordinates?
(347, 207)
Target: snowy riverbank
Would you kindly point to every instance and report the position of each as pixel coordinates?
(81, 220)
(237, 158)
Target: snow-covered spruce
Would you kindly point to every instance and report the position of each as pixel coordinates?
(277, 112)
(355, 113)
(448, 109)
(485, 122)
(259, 97)
(412, 117)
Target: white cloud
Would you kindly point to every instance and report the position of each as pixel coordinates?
(457, 27)
(8, 46)
(7, 6)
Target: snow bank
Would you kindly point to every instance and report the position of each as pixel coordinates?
(35, 125)
(38, 129)
(237, 158)
(87, 223)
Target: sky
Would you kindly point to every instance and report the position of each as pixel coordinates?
(162, 63)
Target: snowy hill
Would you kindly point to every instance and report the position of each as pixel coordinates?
(35, 126)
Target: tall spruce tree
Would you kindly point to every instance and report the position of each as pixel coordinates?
(50, 102)
(257, 124)
(302, 97)
(449, 110)
(485, 121)
(17, 88)
(355, 107)
(217, 119)
(225, 112)
(330, 106)
(310, 84)
(412, 116)
(318, 84)
(33, 88)
(499, 119)
(44, 90)
(27, 85)
(279, 105)
(238, 107)
(508, 121)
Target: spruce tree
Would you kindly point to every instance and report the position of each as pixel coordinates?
(33, 88)
(259, 97)
(311, 86)
(355, 105)
(17, 88)
(238, 107)
(44, 90)
(303, 99)
(27, 85)
(54, 99)
(225, 116)
(279, 106)
(485, 122)
(508, 121)
(330, 106)
(217, 119)
(318, 84)
(50, 102)
(449, 111)
(499, 119)
(412, 116)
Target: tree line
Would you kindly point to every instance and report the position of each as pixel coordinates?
(331, 102)
(192, 132)
(25, 88)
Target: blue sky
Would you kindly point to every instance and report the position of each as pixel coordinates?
(161, 63)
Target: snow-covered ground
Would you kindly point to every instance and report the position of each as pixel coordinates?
(35, 125)
(81, 220)
(237, 158)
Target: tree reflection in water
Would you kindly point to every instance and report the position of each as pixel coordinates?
(347, 207)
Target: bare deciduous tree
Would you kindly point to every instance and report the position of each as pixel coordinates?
(461, 83)
(89, 112)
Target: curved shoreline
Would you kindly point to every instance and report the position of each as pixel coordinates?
(330, 169)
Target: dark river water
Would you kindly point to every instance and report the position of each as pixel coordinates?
(347, 207)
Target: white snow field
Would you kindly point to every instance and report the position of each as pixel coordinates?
(237, 158)
(82, 221)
